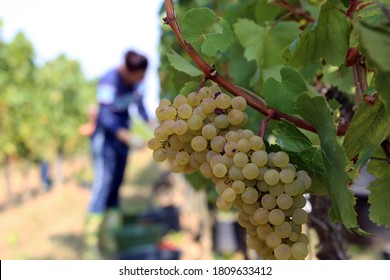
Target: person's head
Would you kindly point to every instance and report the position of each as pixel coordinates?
(134, 67)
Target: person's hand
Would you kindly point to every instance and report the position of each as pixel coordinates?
(124, 136)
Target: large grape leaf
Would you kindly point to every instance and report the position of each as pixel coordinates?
(379, 198)
(376, 42)
(202, 26)
(327, 38)
(265, 44)
(282, 95)
(316, 112)
(369, 127)
(180, 64)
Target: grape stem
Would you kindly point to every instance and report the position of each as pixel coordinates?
(264, 123)
(253, 100)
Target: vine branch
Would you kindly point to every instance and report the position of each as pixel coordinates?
(210, 72)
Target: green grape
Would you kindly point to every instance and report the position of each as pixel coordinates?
(252, 242)
(230, 148)
(232, 136)
(250, 208)
(210, 155)
(218, 143)
(199, 112)
(229, 195)
(242, 219)
(220, 187)
(179, 100)
(238, 186)
(240, 159)
(221, 121)
(171, 153)
(282, 252)
(222, 204)
(184, 111)
(180, 127)
(271, 177)
(182, 158)
(294, 188)
(273, 240)
(236, 117)
(283, 230)
(259, 158)
(250, 195)
(177, 168)
(287, 175)
(262, 170)
(208, 105)
(270, 162)
(276, 217)
(227, 160)
(257, 143)
(299, 216)
(299, 201)
(154, 144)
(239, 103)
(222, 101)
(159, 134)
(246, 134)
(198, 143)
(284, 201)
(195, 122)
(159, 112)
(169, 113)
(201, 156)
(168, 126)
(209, 131)
(215, 159)
(262, 186)
(165, 102)
(250, 171)
(281, 159)
(260, 216)
(268, 201)
(193, 99)
(263, 231)
(299, 251)
(303, 238)
(276, 190)
(219, 170)
(175, 142)
(205, 92)
(244, 145)
(159, 155)
(206, 170)
(293, 236)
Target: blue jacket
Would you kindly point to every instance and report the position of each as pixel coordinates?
(114, 98)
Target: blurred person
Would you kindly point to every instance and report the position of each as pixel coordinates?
(110, 142)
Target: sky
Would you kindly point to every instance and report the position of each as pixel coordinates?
(94, 32)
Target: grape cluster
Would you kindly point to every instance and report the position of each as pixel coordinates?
(203, 132)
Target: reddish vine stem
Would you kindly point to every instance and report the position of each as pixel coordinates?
(263, 126)
(213, 75)
(295, 11)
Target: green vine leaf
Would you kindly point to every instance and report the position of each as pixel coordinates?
(369, 127)
(282, 95)
(328, 38)
(315, 111)
(180, 64)
(379, 198)
(202, 26)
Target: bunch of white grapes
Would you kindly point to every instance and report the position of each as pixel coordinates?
(203, 132)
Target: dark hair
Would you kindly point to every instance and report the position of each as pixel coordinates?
(135, 61)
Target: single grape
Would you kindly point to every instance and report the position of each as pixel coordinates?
(250, 171)
(259, 158)
(223, 101)
(222, 204)
(283, 230)
(219, 170)
(299, 216)
(244, 145)
(240, 159)
(195, 122)
(281, 159)
(260, 216)
(299, 251)
(182, 158)
(229, 195)
(287, 175)
(179, 100)
(250, 195)
(218, 143)
(159, 155)
(236, 117)
(209, 131)
(154, 144)
(273, 240)
(271, 177)
(239, 103)
(184, 111)
(268, 201)
(180, 127)
(284, 201)
(238, 186)
(198, 143)
(282, 252)
(276, 217)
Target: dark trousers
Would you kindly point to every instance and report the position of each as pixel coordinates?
(109, 160)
